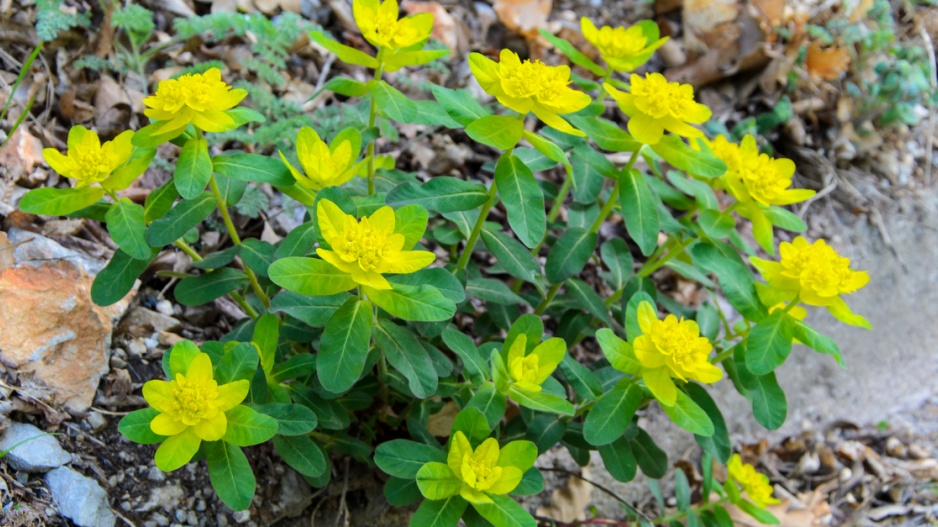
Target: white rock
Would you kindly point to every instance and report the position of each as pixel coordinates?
(80, 498)
(32, 455)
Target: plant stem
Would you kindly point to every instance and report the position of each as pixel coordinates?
(226, 217)
(196, 257)
(791, 305)
(561, 195)
(551, 293)
(371, 124)
(649, 267)
(477, 228)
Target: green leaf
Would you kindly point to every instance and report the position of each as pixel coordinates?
(541, 401)
(253, 168)
(580, 377)
(301, 453)
(193, 168)
(640, 210)
(523, 199)
(490, 402)
(159, 201)
(439, 513)
(632, 328)
(589, 300)
(296, 366)
(686, 414)
(734, 276)
(430, 113)
(675, 151)
(501, 132)
(405, 354)
(619, 460)
(247, 427)
(401, 492)
(401, 59)
(218, 259)
(574, 54)
(136, 427)
(504, 512)
(266, 336)
(701, 191)
(230, 473)
(590, 168)
(514, 258)
(411, 223)
(618, 259)
(180, 356)
(461, 105)
(423, 303)
(762, 516)
(204, 288)
(51, 201)
(569, 254)
(546, 147)
(127, 227)
(437, 277)
(784, 219)
(681, 491)
(391, 103)
(651, 459)
(298, 242)
(402, 458)
(606, 134)
(816, 341)
(612, 414)
(180, 219)
(343, 349)
(138, 163)
(715, 223)
(310, 276)
(474, 365)
(473, 423)
(291, 419)
(437, 481)
(242, 116)
(491, 290)
(439, 194)
(769, 405)
(345, 53)
(117, 278)
(769, 343)
(719, 443)
(150, 137)
(312, 310)
(545, 430)
(239, 363)
(346, 86)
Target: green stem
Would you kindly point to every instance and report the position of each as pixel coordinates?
(722, 356)
(226, 217)
(649, 267)
(477, 228)
(791, 305)
(371, 124)
(196, 257)
(614, 195)
(551, 293)
(561, 195)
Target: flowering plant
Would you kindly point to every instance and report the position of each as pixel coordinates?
(399, 304)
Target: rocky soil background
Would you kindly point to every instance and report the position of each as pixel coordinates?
(860, 443)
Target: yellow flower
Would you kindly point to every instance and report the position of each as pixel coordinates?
(368, 249)
(197, 98)
(529, 371)
(753, 176)
(530, 87)
(380, 26)
(671, 348)
(325, 165)
(753, 483)
(624, 49)
(191, 409)
(656, 105)
(816, 275)
(87, 160)
(473, 474)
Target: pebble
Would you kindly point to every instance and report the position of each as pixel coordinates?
(221, 520)
(180, 515)
(155, 474)
(136, 348)
(895, 448)
(96, 421)
(160, 520)
(165, 307)
(35, 455)
(242, 516)
(80, 498)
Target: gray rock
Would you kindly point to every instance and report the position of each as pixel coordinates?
(35, 455)
(40, 250)
(80, 498)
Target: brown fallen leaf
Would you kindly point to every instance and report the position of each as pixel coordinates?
(523, 16)
(440, 423)
(828, 64)
(445, 27)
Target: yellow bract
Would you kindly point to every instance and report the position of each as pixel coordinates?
(324, 165)
(368, 249)
(754, 483)
(753, 176)
(530, 87)
(379, 24)
(87, 160)
(623, 49)
(529, 371)
(191, 409)
(481, 470)
(656, 105)
(813, 272)
(671, 348)
(197, 98)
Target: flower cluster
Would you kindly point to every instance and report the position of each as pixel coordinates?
(528, 371)
(656, 105)
(87, 161)
(623, 49)
(754, 484)
(671, 348)
(530, 86)
(324, 165)
(752, 176)
(378, 21)
(200, 99)
(367, 249)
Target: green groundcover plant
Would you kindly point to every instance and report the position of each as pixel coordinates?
(352, 337)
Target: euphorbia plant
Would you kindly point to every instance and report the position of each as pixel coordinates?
(383, 309)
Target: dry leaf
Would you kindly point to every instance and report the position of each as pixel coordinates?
(271, 7)
(860, 10)
(523, 16)
(828, 64)
(21, 154)
(445, 28)
(440, 423)
(568, 503)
